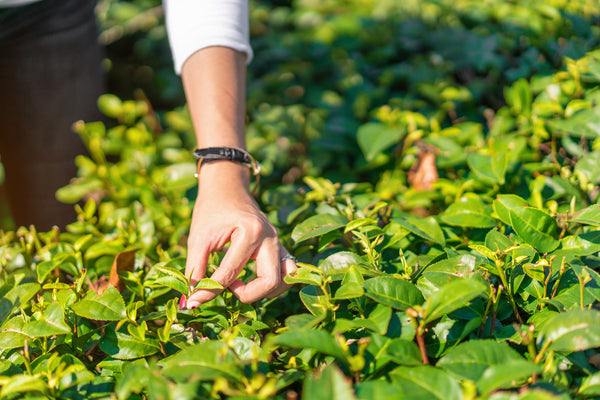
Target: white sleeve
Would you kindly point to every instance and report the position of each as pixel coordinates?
(195, 24)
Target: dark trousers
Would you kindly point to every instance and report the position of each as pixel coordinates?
(50, 77)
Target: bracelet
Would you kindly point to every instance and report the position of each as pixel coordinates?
(210, 154)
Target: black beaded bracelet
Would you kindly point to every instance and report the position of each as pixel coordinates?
(210, 154)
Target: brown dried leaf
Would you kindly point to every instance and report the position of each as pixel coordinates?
(422, 175)
(124, 261)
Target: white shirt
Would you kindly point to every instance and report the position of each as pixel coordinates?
(195, 24)
(11, 3)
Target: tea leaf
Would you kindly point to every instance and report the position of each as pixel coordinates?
(588, 216)
(318, 340)
(469, 360)
(374, 138)
(590, 386)
(317, 225)
(203, 361)
(427, 228)
(330, 384)
(535, 227)
(468, 212)
(52, 322)
(506, 375)
(122, 346)
(490, 168)
(22, 383)
(207, 283)
(452, 296)
(572, 331)
(426, 382)
(108, 306)
(506, 202)
(393, 292)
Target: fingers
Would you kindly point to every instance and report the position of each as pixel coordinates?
(269, 281)
(268, 274)
(196, 262)
(245, 242)
(288, 265)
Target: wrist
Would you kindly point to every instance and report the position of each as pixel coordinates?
(224, 173)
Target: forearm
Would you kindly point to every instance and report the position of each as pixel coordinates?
(214, 80)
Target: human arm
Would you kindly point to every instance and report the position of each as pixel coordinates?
(214, 80)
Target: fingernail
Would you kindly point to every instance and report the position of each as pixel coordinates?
(193, 304)
(182, 302)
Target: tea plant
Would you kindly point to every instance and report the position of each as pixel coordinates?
(446, 229)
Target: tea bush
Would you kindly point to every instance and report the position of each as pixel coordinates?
(432, 164)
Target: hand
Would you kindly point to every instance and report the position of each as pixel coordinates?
(226, 212)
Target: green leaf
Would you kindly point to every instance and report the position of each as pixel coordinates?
(577, 246)
(122, 346)
(22, 384)
(349, 291)
(452, 296)
(427, 228)
(468, 212)
(315, 300)
(535, 227)
(381, 316)
(403, 352)
(172, 283)
(507, 375)
(351, 285)
(173, 278)
(496, 241)
(317, 225)
(589, 166)
(108, 306)
(178, 177)
(469, 360)
(426, 382)
(338, 264)
(136, 376)
(204, 361)
(17, 297)
(305, 274)
(318, 340)
(571, 331)
(373, 138)
(590, 386)
(489, 168)
(393, 292)
(208, 283)
(506, 202)
(13, 335)
(588, 216)
(52, 322)
(43, 269)
(582, 124)
(329, 384)
(358, 223)
(380, 390)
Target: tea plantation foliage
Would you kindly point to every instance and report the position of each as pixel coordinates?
(480, 284)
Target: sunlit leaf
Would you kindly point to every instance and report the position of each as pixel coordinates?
(393, 292)
(535, 227)
(108, 306)
(572, 331)
(317, 225)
